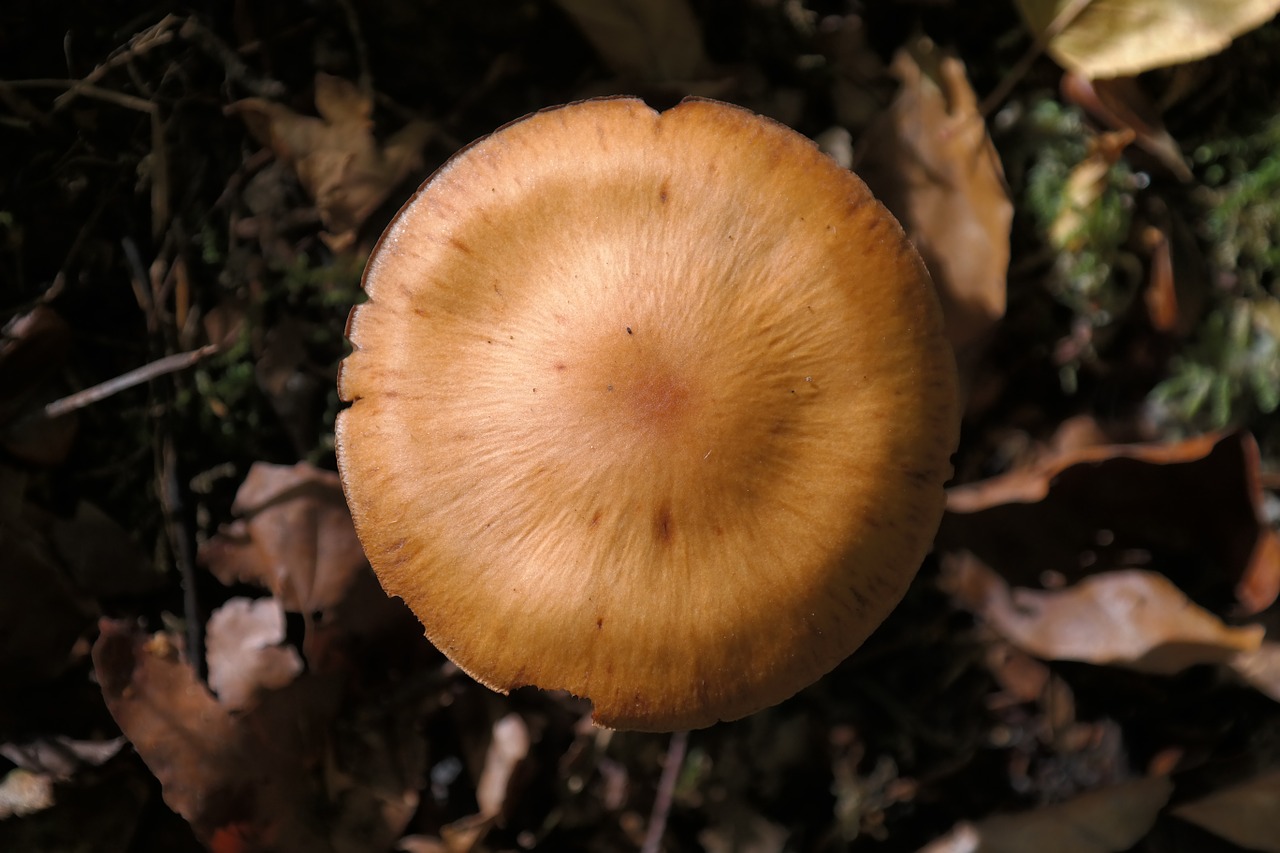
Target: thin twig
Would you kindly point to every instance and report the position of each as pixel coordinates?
(180, 544)
(154, 36)
(1060, 22)
(103, 390)
(666, 791)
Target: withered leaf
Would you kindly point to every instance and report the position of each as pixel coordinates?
(1244, 814)
(293, 537)
(247, 777)
(1190, 509)
(336, 158)
(932, 163)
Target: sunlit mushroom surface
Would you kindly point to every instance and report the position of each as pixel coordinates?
(655, 408)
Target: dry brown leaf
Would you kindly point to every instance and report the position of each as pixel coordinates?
(244, 651)
(336, 158)
(199, 752)
(1245, 814)
(294, 537)
(1105, 821)
(1192, 509)
(1113, 38)
(932, 163)
(1133, 618)
(646, 40)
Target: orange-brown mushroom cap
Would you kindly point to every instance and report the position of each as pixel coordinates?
(655, 408)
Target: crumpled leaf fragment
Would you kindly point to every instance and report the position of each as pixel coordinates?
(1134, 619)
(656, 41)
(244, 652)
(1103, 821)
(1191, 509)
(1122, 105)
(1244, 813)
(1111, 38)
(294, 537)
(23, 793)
(931, 162)
(336, 158)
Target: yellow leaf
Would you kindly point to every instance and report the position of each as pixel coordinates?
(1114, 38)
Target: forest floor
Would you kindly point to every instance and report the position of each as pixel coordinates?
(195, 655)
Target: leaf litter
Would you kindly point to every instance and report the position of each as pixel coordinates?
(988, 704)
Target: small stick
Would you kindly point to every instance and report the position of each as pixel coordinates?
(1061, 21)
(666, 790)
(103, 390)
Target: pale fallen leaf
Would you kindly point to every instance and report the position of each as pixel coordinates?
(1260, 668)
(1134, 619)
(244, 651)
(647, 40)
(932, 163)
(1104, 821)
(336, 158)
(1245, 814)
(23, 793)
(1112, 38)
(59, 756)
(507, 748)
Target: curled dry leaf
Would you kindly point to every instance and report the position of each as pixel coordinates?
(1244, 814)
(293, 537)
(244, 651)
(1191, 509)
(1104, 821)
(1112, 38)
(1131, 618)
(336, 158)
(932, 163)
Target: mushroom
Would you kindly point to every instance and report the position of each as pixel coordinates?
(654, 408)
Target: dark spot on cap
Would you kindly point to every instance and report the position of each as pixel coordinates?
(663, 193)
(662, 524)
(560, 365)
(599, 622)
(595, 519)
